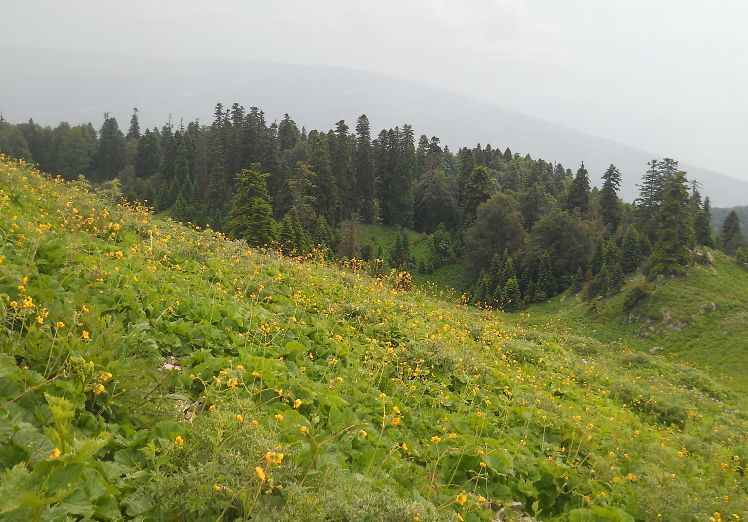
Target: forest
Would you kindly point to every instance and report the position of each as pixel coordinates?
(524, 229)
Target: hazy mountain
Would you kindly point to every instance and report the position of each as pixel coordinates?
(52, 86)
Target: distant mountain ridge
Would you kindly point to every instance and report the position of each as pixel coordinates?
(54, 85)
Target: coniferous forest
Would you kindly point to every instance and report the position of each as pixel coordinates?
(523, 228)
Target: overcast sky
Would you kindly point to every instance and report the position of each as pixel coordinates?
(668, 76)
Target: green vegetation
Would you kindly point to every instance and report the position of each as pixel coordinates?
(152, 371)
(697, 319)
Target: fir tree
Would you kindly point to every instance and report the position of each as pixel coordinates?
(577, 281)
(675, 235)
(326, 198)
(323, 236)
(110, 159)
(291, 234)
(631, 251)
(579, 192)
(363, 172)
(251, 217)
(510, 296)
(732, 234)
(609, 202)
(546, 284)
(478, 189)
(134, 132)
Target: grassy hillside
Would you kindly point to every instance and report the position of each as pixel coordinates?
(700, 319)
(154, 372)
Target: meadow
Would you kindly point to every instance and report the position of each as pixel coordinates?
(153, 371)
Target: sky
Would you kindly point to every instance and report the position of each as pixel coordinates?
(666, 76)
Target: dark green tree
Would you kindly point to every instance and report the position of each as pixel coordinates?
(510, 296)
(134, 132)
(326, 198)
(578, 195)
(610, 205)
(675, 235)
(732, 234)
(148, 155)
(498, 227)
(702, 223)
(435, 202)
(364, 183)
(478, 189)
(110, 159)
(288, 133)
(251, 217)
(546, 284)
(631, 251)
(291, 237)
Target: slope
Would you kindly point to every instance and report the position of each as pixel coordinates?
(152, 371)
(699, 319)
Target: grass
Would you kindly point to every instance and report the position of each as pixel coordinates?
(154, 372)
(699, 319)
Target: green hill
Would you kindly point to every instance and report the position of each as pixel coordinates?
(155, 372)
(699, 319)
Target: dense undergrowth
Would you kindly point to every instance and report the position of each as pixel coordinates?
(154, 372)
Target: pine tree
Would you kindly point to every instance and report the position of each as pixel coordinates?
(481, 291)
(251, 217)
(675, 235)
(609, 202)
(494, 273)
(301, 186)
(579, 192)
(595, 262)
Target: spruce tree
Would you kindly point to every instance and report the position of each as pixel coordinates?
(546, 284)
(675, 232)
(609, 202)
(478, 189)
(326, 197)
(251, 217)
(508, 272)
(363, 172)
(110, 159)
(732, 234)
(631, 251)
(134, 132)
(510, 296)
(147, 155)
(291, 234)
(578, 195)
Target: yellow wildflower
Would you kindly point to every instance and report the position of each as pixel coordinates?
(363, 433)
(240, 418)
(297, 403)
(461, 498)
(179, 440)
(278, 417)
(55, 453)
(86, 335)
(435, 439)
(304, 430)
(60, 324)
(260, 473)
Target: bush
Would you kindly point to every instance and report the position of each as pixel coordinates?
(634, 295)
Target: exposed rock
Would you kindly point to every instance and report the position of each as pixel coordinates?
(169, 364)
(654, 350)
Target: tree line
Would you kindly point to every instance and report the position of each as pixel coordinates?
(526, 229)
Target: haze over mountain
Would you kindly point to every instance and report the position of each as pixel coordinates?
(53, 85)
